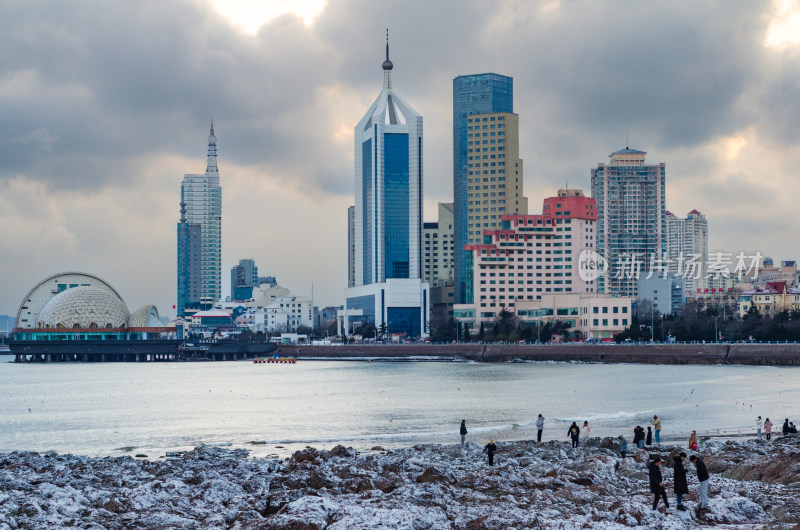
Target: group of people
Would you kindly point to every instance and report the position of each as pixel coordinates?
(680, 484)
(640, 439)
(788, 428)
(574, 432)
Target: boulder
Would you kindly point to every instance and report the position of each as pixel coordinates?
(433, 475)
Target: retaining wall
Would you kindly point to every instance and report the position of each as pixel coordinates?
(750, 354)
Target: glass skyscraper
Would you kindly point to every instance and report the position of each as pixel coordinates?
(386, 226)
(388, 209)
(200, 237)
(472, 94)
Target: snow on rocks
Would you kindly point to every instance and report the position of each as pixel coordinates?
(426, 486)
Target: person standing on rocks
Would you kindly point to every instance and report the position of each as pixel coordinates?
(623, 447)
(649, 437)
(702, 478)
(758, 427)
(680, 485)
(638, 436)
(539, 428)
(657, 482)
(657, 427)
(786, 427)
(693, 441)
(585, 430)
(463, 431)
(575, 433)
(490, 449)
(768, 429)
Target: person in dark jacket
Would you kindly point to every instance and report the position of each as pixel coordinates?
(574, 432)
(623, 447)
(649, 440)
(786, 427)
(539, 427)
(638, 437)
(490, 449)
(463, 431)
(792, 428)
(657, 482)
(702, 478)
(680, 485)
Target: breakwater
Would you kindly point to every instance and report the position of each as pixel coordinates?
(743, 354)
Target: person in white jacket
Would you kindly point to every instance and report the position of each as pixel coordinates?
(758, 426)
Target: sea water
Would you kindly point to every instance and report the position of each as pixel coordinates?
(151, 408)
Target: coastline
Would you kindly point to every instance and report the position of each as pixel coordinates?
(757, 354)
(423, 486)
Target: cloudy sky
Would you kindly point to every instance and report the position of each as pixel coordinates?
(105, 105)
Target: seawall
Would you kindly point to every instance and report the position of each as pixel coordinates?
(745, 354)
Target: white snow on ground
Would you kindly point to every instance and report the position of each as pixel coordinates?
(754, 485)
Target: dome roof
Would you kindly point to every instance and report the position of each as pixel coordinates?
(84, 307)
(145, 317)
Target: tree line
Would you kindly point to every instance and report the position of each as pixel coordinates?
(696, 322)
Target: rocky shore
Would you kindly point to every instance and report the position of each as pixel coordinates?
(755, 484)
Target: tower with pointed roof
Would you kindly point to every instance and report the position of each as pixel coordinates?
(387, 221)
(388, 187)
(200, 237)
(631, 224)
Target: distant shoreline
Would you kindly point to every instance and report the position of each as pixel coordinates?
(710, 354)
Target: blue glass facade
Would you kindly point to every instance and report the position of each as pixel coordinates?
(404, 320)
(366, 197)
(366, 304)
(395, 205)
(189, 263)
(472, 94)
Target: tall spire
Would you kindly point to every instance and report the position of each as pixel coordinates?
(211, 168)
(387, 65)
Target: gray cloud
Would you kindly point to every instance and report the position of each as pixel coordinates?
(105, 105)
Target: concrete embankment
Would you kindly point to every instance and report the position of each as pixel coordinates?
(749, 354)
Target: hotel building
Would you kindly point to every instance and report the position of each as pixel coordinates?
(531, 264)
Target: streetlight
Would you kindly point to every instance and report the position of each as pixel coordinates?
(652, 324)
(716, 335)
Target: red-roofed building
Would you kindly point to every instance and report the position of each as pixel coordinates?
(532, 261)
(770, 298)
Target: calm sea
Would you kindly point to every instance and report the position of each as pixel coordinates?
(129, 408)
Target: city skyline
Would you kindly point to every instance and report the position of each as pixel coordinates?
(101, 125)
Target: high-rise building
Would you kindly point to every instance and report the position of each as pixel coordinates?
(189, 245)
(351, 246)
(245, 278)
(631, 225)
(438, 250)
(687, 242)
(530, 268)
(491, 95)
(388, 216)
(201, 204)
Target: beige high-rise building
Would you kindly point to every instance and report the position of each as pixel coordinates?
(494, 172)
(438, 250)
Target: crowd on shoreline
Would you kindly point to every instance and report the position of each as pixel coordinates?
(640, 440)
